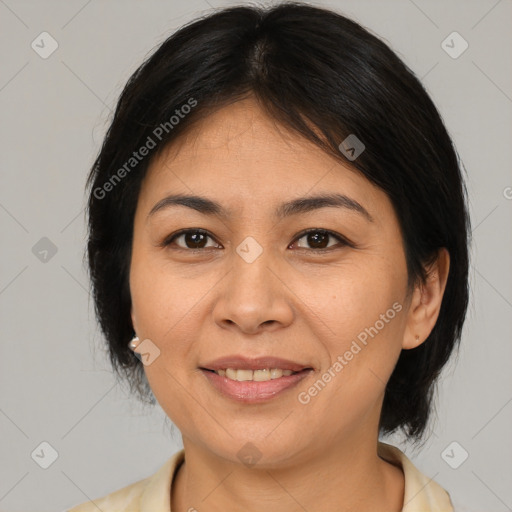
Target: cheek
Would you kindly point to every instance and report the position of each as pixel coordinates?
(164, 308)
(169, 307)
(159, 297)
(362, 355)
(364, 314)
(156, 307)
(353, 298)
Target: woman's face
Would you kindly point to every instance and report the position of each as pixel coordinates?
(255, 286)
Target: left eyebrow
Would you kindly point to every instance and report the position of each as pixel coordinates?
(307, 204)
(210, 207)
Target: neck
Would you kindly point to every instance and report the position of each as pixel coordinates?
(344, 477)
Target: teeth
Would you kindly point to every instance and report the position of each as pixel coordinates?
(276, 373)
(256, 375)
(261, 375)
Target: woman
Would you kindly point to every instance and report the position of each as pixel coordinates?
(278, 247)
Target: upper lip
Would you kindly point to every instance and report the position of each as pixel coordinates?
(257, 363)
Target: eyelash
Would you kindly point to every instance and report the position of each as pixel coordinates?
(344, 241)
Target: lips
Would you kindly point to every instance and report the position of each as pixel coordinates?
(259, 363)
(285, 375)
(254, 392)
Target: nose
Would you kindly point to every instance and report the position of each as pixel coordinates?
(254, 296)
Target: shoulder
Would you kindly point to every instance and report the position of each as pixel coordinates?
(421, 492)
(124, 499)
(148, 494)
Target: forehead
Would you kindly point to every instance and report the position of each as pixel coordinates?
(239, 154)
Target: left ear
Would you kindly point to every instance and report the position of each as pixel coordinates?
(426, 302)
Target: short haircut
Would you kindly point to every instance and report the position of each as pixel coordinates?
(324, 77)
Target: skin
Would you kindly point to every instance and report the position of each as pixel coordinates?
(294, 301)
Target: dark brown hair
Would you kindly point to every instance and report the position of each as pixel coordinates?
(325, 77)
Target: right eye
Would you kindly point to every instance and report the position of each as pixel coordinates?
(192, 239)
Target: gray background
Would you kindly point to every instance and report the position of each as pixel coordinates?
(56, 384)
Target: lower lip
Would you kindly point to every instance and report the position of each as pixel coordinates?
(252, 391)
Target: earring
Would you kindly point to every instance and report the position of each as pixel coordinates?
(134, 342)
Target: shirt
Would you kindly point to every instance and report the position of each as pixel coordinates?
(153, 494)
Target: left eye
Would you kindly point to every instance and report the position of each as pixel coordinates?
(318, 238)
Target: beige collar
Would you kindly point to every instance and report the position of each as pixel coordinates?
(421, 494)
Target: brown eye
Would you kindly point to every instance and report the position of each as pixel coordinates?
(190, 239)
(318, 239)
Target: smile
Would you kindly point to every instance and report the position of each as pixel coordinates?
(254, 375)
(254, 386)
